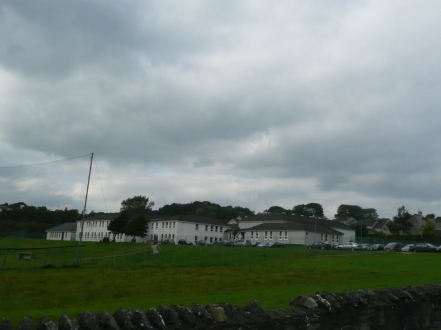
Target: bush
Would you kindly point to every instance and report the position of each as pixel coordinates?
(105, 240)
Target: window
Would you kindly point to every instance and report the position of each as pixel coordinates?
(174, 223)
(197, 227)
(156, 225)
(211, 238)
(252, 235)
(195, 238)
(206, 237)
(266, 235)
(286, 235)
(211, 228)
(220, 229)
(215, 229)
(166, 224)
(173, 236)
(163, 225)
(162, 237)
(271, 235)
(206, 228)
(257, 235)
(280, 235)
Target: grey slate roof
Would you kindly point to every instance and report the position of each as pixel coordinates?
(295, 226)
(68, 226)
(269, 217)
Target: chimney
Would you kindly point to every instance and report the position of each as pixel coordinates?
(420, 218)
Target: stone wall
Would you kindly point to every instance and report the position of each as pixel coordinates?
(412, 307)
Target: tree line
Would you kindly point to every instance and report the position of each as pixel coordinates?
(22, 217)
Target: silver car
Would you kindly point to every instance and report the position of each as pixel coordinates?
(349, 246)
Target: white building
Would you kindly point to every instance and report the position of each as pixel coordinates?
(190, 227)
(265, 227)
(64, 232)
(294, 229)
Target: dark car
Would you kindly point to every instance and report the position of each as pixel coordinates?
(184, 242)
(204, 243)
(377, 247)
(424, 247)
(319, 246)
(394, 246)
(168, 241)
(277, 245)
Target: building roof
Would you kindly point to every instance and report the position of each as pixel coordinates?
(295, 226)
(188, 217)
(270, 217)
(68, 226)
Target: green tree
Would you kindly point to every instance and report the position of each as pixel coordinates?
(430, 216)
(278, 209)
(117, 225)
(428, 230)
(133, 219)
(360, 229)
(137, 226)
(399, 223)
(314, 210)
(355, 212)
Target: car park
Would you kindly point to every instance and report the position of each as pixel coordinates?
(394, 246)
(264, 245)
(319, 246)
(349, 246)
(277, 245)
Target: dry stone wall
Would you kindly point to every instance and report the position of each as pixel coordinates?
(412, 307)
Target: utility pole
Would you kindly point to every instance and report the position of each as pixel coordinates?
(84, 212)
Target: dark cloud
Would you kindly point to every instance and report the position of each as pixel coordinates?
(245, 104)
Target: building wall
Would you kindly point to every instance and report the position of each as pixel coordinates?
(189, 231)
(58, 236)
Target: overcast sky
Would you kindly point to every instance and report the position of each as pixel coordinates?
(242, 103)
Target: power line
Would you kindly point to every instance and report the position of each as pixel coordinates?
(54, 161)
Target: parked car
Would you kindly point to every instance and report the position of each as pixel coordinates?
(204, 243)
(394, 246)
(438, 249)
(408, 248)
(424, 247)
(349, 246)
(218, 243)
(277, 245)
(184, 242)
(264, 244)
(365, 246)
(377, 247)
(319, 246)
(239, 242)
(169, 241)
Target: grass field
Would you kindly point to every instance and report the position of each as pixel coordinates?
(128, 275)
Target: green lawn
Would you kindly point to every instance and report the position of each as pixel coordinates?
(128, 275)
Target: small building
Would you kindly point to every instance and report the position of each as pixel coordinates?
(64, 232)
